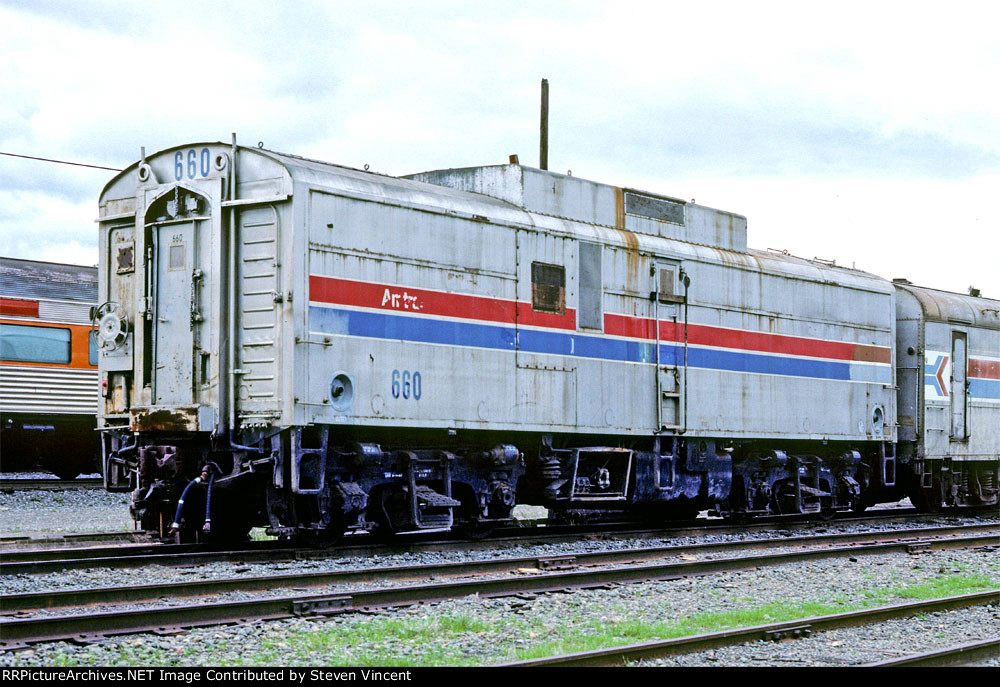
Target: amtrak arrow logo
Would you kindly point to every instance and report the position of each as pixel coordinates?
(934, 375)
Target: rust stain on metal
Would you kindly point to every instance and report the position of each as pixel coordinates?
(631, 259)
(116, 207)
(631, 242)
(728, 257)
(183, 419)
(619, 208)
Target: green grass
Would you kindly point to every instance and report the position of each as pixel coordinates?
(376, 641)
(636, 631)
(392, 640)
(477, 637)
(951, 585)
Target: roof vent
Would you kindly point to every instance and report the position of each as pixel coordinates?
(652, 207)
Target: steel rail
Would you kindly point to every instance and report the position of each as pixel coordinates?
(958, 655)
(19, 632)
(606, 527)
(621, 655)
(48, 560)
(129, 556)
(527, 530)
(359, 544)
(8, 544)
(13, 603)
(49, 484)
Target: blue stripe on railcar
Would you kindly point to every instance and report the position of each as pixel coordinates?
(984, 388)
(495, 337)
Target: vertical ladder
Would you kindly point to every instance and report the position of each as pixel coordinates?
(670, 382)
(669, 386)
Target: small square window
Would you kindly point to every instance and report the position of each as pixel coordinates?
(672, 287)
(548, 288)
(666, 285)
(178, 256)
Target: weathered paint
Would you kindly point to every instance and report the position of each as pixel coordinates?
(929, 322)
(321, 246)
(19, 307)
(173, 419)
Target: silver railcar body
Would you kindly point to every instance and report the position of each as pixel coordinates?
(948, 352)
(622, 347)
(417, 257)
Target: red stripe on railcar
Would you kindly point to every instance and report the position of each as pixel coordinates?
(984, 369)
(18, 307)
(703, 335)
(441, 304)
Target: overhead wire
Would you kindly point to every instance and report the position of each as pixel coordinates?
(61, 162)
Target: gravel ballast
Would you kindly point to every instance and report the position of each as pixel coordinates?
(856, 646)
(160, 574)
(481, 631)
(54, 513)
(474, 631)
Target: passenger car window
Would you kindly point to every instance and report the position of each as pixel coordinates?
(92, 348)
(31, 344)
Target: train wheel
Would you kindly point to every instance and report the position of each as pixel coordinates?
(926, 500)
(475, 531)
(738, 517)
(377, 515)
(382, 532)
(674, 512)
(319, 539)
(687, 512)
(185, 535)
(227, 533)
(67, 473)
(571, 517)
(826, 509)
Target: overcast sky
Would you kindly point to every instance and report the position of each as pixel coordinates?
(867, 132)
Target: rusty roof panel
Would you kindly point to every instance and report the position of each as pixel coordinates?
(47, 280)
(956, 308)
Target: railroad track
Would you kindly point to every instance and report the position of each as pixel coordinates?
(958, 655)
(41, 561)
(51, 484)
(12, 542)
(531, 575)
(632, 653)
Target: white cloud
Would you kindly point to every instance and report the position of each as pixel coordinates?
(38, 226)
(934, 233)
(866, 132)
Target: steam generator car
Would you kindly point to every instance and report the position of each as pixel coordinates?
(316, 349)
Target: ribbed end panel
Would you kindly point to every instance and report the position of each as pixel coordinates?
(258, 315)
(48, 390)
(76, 313)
